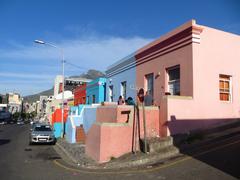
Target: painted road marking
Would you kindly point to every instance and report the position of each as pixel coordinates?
(56, 162)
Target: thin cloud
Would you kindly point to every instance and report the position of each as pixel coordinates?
(24, 64)
(31, 82)
(92, 52)
(25, 76)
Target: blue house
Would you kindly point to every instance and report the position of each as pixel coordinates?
(74, 120)
(84, 115)
(96, 91)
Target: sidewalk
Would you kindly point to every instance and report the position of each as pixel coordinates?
(74, 154)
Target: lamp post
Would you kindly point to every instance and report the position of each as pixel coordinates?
(63, 61)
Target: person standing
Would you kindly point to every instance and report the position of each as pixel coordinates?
(140, 96)
(148, 99)
(120, 100)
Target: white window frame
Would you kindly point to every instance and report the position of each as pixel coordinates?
(230, 87)
(88, 100)
(147, 83)
(110, 93)
(175, 81)
(122, 89)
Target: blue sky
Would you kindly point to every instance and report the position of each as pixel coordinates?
(93, 33)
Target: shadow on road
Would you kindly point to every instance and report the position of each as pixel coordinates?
(222, 154)
(4, 141)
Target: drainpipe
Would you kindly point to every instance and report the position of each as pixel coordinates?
(145, 129)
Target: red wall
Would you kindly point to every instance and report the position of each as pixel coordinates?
(57, 116)
(80, 95)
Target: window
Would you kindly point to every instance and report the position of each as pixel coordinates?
(93, 99)
(83, 100)
(224, 87)
(87, 99)
(124, 89)
(111, 93)
(73, 112)
(149, 80)
(104, 86)
(174, 80)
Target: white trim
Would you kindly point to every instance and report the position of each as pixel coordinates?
(230, 88)
(122, 90)
(175, 81)
(72, 123)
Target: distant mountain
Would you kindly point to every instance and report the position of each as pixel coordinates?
(91, 74)
(35, 97)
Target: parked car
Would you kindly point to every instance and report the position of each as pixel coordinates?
(5, 117)
(42, 133)
(2, 122)
(20, 122)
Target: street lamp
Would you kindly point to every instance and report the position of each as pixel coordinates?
(63, 61)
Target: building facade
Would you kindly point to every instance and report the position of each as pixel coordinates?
(80, 94)
(191, 73)
(96, 91)
(58, 85)
(14, 102)
(121, 79)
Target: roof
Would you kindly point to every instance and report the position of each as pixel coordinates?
(78, 79)
(131, 60)
(67, 95)
(121, 65)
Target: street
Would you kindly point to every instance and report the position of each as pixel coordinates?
(20, 161)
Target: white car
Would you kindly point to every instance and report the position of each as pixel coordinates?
(3, 122)
(41, 133)
(20, 122)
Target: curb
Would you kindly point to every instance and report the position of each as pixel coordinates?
(147, 169)
(138, 163)
(66, 152)
(147, 160)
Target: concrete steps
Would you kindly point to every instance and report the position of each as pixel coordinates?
(157, 144)
(159, 148)
(143, 159)
(157, 156)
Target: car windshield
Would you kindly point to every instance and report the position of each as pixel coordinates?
(42, 128)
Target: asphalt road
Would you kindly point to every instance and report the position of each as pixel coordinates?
(19, 161)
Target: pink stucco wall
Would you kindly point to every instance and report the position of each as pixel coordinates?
(218, 53)
(203, 54)
(113, 114)
(211, 53)
(108, 138)
(156, 62)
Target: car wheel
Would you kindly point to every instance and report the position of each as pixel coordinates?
(54, 142)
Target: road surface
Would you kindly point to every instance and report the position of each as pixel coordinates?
(19, 161)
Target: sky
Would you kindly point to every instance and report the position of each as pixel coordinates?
(92, 33)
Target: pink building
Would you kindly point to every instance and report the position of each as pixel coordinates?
(193, 75)
(197, 65)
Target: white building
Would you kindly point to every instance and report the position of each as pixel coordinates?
(58, 85)
(14, 101)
